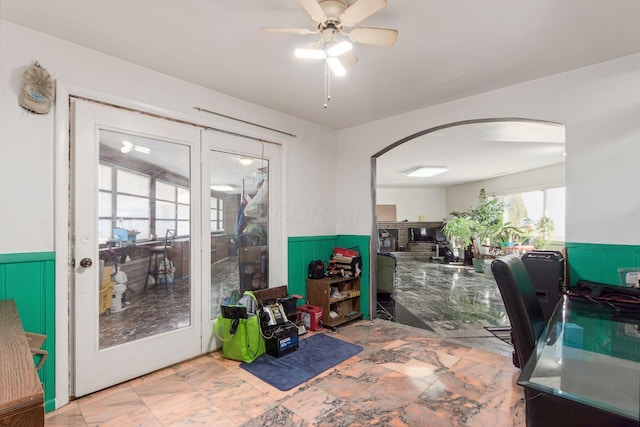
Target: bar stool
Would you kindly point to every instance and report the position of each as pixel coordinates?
(160, 261)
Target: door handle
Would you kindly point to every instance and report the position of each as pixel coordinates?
(86, 262)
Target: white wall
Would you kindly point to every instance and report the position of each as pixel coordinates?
(411, 203)
(27, 163)
(600, 107)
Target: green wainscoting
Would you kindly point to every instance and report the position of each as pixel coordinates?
(303, 250)
(599, 262)
(29, 279)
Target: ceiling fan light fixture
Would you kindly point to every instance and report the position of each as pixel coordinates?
(426, 171)
(336, 66)
(310, 53)
(339, 48)
(222, 188)
(143, 150)
(126, 147)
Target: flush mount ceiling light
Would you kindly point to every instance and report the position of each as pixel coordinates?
(222, 188)
(128, 147)
(426, 171)
(331, 19)
(246, 161)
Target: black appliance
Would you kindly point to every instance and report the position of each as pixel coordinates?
(427, 234)
(546, 269)
(282, 339)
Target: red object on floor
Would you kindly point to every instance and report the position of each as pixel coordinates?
(310, 316)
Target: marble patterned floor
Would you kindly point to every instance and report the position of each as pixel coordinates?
(454, 301)
(405, 376)
(162, 308)
(434, 364)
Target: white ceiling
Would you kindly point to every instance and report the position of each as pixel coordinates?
(446, 49)
(473, 152)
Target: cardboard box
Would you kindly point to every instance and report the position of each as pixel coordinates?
(251, 253)
(105, 297)
(107, 272)
(343, 308)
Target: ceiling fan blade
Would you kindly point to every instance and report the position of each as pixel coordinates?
(315, 45)
(277, 30)
(361, 10)
(376, 36)
(314, 10)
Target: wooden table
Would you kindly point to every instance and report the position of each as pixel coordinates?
(21, 393)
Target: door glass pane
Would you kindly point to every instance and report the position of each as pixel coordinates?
(165, 210)
(183, 211)
(183, 196)
(239, 224)
(104, 204)
(133, 183)
(183, 228)
(104, 177)
(165, 191)
(144, 262)
(131, 206)
(104, 231)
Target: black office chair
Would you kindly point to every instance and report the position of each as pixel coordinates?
(521, 302)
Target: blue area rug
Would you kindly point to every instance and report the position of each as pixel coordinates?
(314, 355)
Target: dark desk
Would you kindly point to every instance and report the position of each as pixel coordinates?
(585, 369)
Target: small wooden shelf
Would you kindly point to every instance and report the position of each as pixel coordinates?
(347, 306)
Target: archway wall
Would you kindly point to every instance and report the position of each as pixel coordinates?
(599, 107)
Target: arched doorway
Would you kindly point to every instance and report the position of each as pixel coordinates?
(493, 152)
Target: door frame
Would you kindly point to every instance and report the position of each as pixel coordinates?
(64, 322)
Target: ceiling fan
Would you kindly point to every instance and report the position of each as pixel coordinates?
(333, 18)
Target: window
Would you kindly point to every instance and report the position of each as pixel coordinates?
(172, 209)
(125, 202)
(533, 205)
(217, 208)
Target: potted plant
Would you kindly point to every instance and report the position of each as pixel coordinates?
(460, 230)
(481, 227)
(540, 231)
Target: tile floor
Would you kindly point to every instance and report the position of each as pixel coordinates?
(444, 369)
(451, 300)
(405, 376)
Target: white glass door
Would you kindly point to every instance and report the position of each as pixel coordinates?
(241, 213)
(137, 289)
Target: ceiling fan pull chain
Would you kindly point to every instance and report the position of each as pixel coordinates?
(327, 84)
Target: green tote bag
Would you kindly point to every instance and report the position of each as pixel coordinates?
(246, 344)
